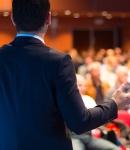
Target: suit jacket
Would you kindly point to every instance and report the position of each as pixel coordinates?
(39, 98)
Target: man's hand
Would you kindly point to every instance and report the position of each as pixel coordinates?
(122, 96)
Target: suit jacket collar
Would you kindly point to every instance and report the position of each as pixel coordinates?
(26, 41)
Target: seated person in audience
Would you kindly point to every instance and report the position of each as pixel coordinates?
(83, 69)
(111, 62)
(96, 88)
(128, 67)
(120, 55)
(77, 60)
(100, 55)
(88, 101)
(121, 77)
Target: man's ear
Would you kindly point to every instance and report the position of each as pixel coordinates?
(48, 20)
(12, 19)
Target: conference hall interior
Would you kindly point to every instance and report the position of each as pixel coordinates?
(96, 34)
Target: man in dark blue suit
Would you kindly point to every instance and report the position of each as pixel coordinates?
(39, 98)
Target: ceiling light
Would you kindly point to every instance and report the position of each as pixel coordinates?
(104, 13)
(76, 15)
(109, 16)
(6, 14)
(55, 14)
(67, 12)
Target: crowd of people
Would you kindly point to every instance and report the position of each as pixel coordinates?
(103, 71)
(98, 75)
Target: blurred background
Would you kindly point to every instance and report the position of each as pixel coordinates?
(80, 23)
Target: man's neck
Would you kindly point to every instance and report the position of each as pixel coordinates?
(41, 35)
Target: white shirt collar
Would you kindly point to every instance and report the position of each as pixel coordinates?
(30, 35)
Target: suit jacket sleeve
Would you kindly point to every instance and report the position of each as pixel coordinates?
(77, 117)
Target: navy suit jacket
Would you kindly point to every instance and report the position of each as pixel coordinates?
(39, 99)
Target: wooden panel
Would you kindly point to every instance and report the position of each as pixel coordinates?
(113, 5)
(80, 5)
(5, 5)
(91, 5)
(7, 31)
(73, 5)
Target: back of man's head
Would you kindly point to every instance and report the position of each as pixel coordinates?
(30, 15)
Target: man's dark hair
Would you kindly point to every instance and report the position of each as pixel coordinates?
(30, 15)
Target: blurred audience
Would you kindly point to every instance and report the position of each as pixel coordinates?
(103, 70)
(98, 75)
(83, 69)
(88, 101)
(121, 77)
(100, 55)
(96, 88)
(76, 58)
(108, 69)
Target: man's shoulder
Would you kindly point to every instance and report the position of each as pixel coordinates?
(4, 48)
(56, 55)
(44, 53)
